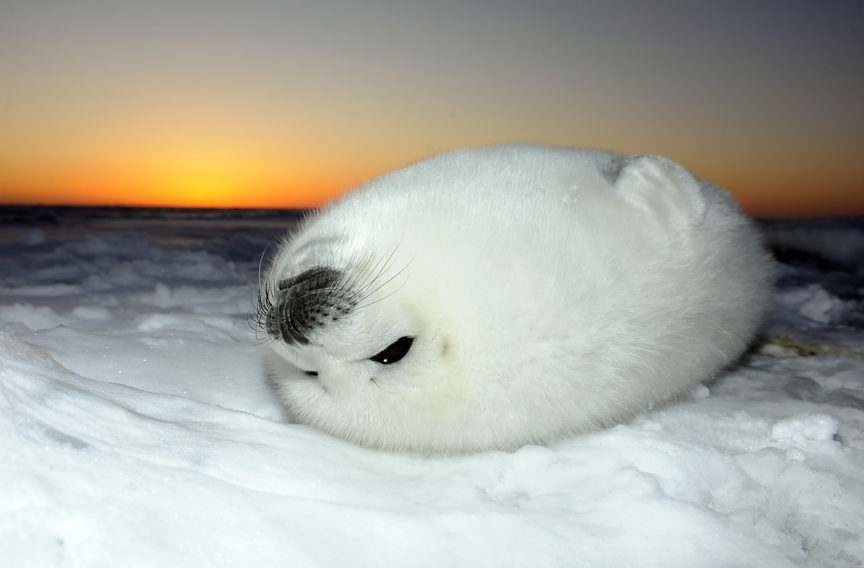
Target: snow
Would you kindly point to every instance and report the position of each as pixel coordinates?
(137, 429)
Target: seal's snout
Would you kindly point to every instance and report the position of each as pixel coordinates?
(306, 302)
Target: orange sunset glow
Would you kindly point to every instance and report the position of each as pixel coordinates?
(286, 105)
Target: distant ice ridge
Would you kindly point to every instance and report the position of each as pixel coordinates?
(136, 424)
(834, 240)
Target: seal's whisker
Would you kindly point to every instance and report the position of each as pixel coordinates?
(374, 271)
(384, 283)
(348, 286)
(382, 298)
(371, 286)
(375, 381)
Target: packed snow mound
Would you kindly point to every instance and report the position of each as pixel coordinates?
(136, 424)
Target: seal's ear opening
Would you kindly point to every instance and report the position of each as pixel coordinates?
(663, 189)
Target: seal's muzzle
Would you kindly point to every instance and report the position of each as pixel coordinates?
(306, 302)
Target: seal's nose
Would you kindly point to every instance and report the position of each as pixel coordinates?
(306, 302)
(289, 321)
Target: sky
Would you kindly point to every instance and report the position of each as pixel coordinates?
(287, 104)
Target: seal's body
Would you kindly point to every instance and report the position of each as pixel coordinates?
(497, 296)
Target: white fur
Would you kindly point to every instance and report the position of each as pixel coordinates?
(549, 290)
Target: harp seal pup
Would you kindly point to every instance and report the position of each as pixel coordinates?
(493, 297)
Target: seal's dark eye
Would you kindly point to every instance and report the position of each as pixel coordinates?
(393, 352)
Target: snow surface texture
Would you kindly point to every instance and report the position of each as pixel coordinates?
(137, 429)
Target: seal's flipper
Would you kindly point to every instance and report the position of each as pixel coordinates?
(663, 189)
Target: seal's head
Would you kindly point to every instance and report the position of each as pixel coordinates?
(353, 352)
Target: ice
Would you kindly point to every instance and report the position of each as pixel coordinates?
(34, 318)
(818, 305)
(137, 428)
(805, 429)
